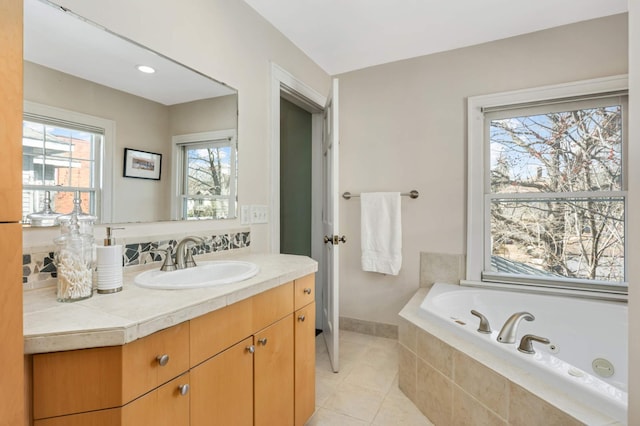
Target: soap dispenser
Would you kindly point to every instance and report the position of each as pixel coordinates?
(109, 264)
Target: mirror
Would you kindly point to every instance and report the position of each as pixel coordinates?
(86, 104)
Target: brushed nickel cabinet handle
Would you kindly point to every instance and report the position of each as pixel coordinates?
(183, 389)
(163, 359)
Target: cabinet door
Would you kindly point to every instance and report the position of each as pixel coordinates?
(167, 405)
(222, 388)
(305, 363)
(273, 374)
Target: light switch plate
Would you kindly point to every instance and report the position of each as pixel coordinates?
(259, 214)
(245, 215)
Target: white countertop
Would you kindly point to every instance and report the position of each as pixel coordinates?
(135, 312)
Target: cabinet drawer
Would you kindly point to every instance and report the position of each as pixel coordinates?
(218, 330)
(98, 378)
(305, 291)
(272, 305)
(214, 332)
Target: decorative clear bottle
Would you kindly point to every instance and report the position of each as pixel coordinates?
(74, 263)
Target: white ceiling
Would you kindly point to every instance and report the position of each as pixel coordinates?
(60, 40)
(345, 35)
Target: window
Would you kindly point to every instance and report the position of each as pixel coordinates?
(62, 154)
(206, 175)
(553, 192)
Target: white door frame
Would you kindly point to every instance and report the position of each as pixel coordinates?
(284, 84)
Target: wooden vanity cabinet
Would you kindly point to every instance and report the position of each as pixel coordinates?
(249, 363)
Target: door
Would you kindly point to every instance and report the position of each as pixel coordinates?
(330, 293)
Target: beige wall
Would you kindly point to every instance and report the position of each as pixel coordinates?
(634, 212)
(230, 42)
(402, 127)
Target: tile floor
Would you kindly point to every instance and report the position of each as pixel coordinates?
(365, 391)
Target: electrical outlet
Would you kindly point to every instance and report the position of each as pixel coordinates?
(259, 214)
(245, 215)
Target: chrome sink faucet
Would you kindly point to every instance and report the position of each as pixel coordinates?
(184, 257)
(508, 332)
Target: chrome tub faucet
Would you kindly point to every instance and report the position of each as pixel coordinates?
(508, 332)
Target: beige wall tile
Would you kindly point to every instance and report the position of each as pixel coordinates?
(434, 394)
(484, 384)
(407, 334)
(435, 352)
(526, 409)
(379, 329)
(443, 268)
(469, 411)
(407, 371)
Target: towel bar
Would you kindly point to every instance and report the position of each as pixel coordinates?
(412, 194)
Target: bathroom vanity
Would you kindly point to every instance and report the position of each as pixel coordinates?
(241, 354)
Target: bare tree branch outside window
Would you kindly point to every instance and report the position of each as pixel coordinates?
(552, 179)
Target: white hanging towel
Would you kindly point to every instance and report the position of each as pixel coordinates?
(381, 232)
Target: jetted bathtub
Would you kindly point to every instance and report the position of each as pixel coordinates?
(587, 356)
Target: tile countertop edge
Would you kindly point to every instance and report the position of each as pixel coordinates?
(289, 267)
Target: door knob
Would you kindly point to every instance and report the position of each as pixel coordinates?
(263, 341)
(335, 240)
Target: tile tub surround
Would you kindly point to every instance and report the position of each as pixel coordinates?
(38, 269)
(135, 312)
(441, 268)
(452, 381)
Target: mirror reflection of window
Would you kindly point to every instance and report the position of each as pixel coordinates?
(61, 159)
(208, 172)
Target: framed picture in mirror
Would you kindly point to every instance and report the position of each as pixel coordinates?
(142, 164)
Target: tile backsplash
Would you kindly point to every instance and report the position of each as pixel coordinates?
(39, 270)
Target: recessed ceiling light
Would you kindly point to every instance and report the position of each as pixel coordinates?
(146, 69)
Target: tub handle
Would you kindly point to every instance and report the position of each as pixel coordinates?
(526, 345)
(484, 326)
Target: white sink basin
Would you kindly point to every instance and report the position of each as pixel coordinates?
(206, 274)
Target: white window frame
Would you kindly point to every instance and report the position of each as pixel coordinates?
(104, 162)
(178, 173)
(477, 153)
